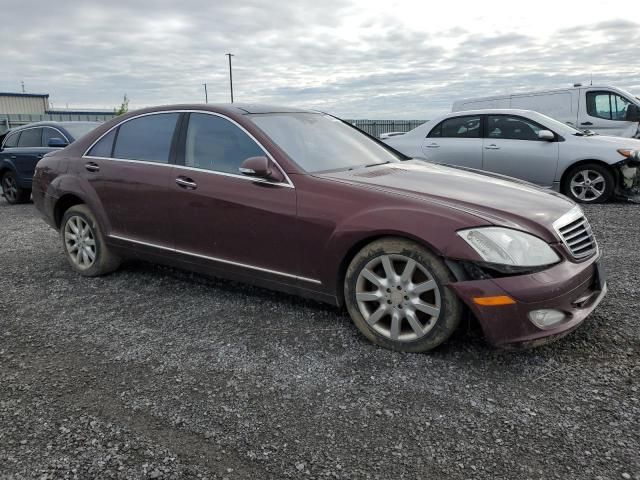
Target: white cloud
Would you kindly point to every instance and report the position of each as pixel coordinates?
(373, 58)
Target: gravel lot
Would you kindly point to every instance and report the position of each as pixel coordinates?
(156, 373)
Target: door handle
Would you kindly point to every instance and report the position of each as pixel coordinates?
(493, 146)
(186, 182)
(92, 167)
(433, 145)
(12, 157)
(586, 123)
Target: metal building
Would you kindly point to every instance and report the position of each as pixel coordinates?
(29, 103)
(18, 109)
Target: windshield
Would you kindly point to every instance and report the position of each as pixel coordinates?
(558, 127)
(79, 129)
(319, 142)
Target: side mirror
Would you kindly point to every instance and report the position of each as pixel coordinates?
(56, 142)
(633, 113)
(261, 167)
(547, 135)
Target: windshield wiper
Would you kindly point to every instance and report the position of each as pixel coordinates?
(376, 164)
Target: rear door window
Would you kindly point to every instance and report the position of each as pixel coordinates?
(146, 138)
(30, 138)
(461, 127)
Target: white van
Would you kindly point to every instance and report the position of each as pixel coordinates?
(602, 109)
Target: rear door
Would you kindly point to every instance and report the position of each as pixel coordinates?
(129, 169)
(604, 112)
(456, 141)
(512, 147)
(236, 223)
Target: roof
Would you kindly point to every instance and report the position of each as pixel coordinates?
(52, 123)
(12, 94)
(228, 108)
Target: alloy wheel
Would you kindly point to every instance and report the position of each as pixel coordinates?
(588, 185)
(80, 242)
(10, 188)
(398, 297)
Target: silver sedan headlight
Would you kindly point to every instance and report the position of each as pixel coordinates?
(509, 247)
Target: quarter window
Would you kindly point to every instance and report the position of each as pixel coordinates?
(12, 140)
(514, 128)
(607, 105)
(32, 137)
(460, 127)
(146, 138)
(214, 143)
(104, 147)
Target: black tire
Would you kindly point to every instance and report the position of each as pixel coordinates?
(438, 329)
(579, 174)
(104, 260)
(12, 193)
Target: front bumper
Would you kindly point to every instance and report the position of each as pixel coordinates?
(572, 288)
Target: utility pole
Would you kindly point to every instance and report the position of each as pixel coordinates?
(230, 75)
(206, 97)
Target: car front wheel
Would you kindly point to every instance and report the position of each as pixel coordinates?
(589, 183)
(395, 293)
(12, 192)
(84, 243)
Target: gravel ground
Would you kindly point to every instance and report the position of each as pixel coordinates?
(156, 373)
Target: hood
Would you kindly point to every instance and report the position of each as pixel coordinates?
(614, 142)
(497, 199)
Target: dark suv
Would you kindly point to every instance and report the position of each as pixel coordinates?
(23, 147)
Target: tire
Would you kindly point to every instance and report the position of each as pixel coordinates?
(12, 193)
(429, 311)
(78, 219)
(589, 183)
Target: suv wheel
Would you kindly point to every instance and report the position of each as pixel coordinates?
(84, 243)
(395, 293)
(589, 183)
(12, 192)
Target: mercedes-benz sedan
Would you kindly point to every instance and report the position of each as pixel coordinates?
(302, 202)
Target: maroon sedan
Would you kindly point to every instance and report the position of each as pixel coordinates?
(302, 202)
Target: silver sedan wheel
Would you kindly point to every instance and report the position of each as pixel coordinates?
(80, 242)
(10, 188)
(398, 297)
(588, 185)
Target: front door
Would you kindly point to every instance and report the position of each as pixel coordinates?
(605, 113)
(512, 147)
(220, 216)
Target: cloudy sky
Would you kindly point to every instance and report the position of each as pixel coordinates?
(353, 58)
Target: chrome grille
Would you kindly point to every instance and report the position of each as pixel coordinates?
(576, 234)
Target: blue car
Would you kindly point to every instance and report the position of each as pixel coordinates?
(23, 147)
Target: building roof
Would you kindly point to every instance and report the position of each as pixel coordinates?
(13, 94)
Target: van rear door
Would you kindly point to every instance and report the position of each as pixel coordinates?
(604, 111)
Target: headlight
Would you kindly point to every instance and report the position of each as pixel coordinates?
(509, 247)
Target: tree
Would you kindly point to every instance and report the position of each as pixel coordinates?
(124, 107)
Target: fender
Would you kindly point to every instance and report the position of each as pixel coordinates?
(72, 184)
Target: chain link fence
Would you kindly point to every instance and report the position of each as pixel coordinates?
(378, 127)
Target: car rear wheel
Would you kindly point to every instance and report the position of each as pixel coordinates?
(84, 243)
(395, 293)
(589, 183)
(12, 192)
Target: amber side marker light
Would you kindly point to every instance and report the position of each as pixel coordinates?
(494, 301)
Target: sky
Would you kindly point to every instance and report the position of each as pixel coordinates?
(355, 59)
